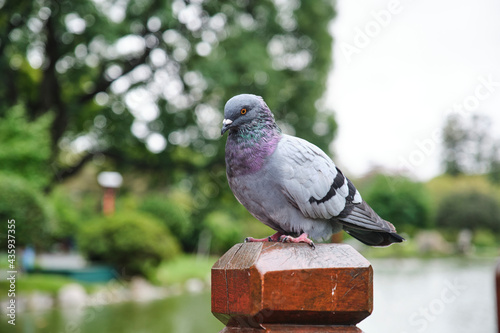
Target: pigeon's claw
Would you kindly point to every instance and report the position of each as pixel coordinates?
(273, 238)
(251, 240)
(301, 239)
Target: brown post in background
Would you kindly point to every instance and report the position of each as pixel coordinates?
(337, 238)
(108, 201)
(110, 181)
(277, 287)
(497, 282)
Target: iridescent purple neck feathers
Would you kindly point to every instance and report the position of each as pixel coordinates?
(248, 146)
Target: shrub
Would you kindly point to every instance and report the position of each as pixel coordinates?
(132, 242)
(25, 146)
(401, 201)
(223, 231)
(19, 200)
(469, 210)
(484, 238)
(443, 186)
(172, 216)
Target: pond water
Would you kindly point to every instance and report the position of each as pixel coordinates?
(186, 313)
(439, 295)
(411, 295)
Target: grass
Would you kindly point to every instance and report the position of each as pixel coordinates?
(409, 249)
(183, 268)
(27, 283)
(176, 271)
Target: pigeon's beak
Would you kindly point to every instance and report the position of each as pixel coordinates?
(226, 124)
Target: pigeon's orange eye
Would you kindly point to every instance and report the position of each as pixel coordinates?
(243, 111)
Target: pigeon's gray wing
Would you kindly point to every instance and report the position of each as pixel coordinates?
(312, 182)
(314, 185)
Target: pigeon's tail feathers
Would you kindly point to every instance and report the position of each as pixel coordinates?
(362, 216)
(374, 238)
(362, 223)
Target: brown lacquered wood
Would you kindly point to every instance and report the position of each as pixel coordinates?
(293, 329)
(272, 285)
(337, 238)
(497, 280)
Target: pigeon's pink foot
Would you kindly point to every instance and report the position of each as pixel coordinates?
(274, 238)
(301, 239)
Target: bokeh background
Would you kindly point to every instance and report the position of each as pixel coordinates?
(137, 88)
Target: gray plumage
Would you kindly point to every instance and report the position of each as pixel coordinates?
(290, 184)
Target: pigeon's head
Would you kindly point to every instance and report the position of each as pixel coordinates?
(243, 109)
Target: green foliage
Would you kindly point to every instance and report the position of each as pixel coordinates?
(445, 185)
(67, 217)
(399, 200)
(20, 201)
(183, 268)
(25, 146)
(484, 238)
(133, 242)
(469, 210)
(171, 83)
(171, 214)
(223, 231)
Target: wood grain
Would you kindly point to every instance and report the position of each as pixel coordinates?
(269, 285)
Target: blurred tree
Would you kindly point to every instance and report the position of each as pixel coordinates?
(469, 210)
(454, 137)
(399, 200)
(468, 144)
(142, 83)
(494, 172)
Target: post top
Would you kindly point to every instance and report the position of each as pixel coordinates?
(279, 256)
(264, 283)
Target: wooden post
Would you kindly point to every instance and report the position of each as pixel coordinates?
(278, 287)
(108, 201)
(497, 282)
(337, 238)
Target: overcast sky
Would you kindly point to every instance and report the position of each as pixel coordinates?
(399, 67)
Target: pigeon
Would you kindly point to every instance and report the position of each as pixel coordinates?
(291, 185)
